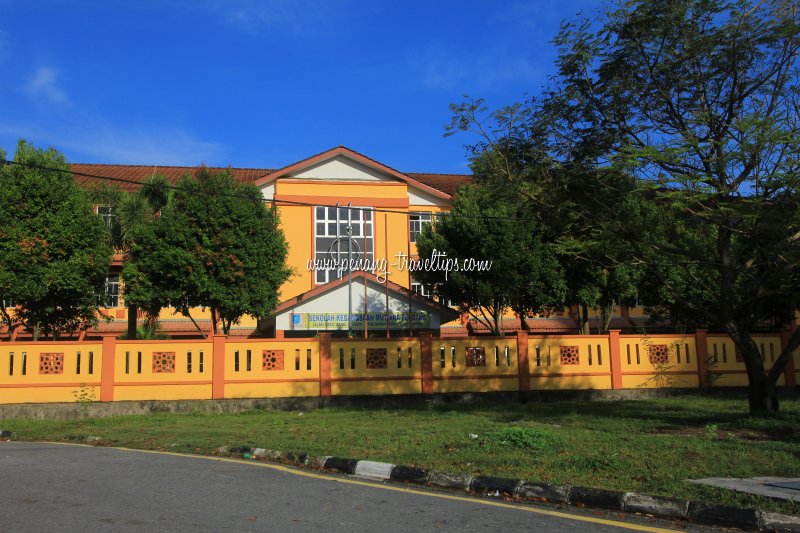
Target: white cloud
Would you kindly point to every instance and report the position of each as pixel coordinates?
(98, 143)
(43, 85)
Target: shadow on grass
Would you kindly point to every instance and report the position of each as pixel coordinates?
(723, 411)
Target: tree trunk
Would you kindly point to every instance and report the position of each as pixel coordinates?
(605, 321)
(36, 332)
(497, 319)
(214, 321)
(133, 312)
(584, 319)
(761, 397)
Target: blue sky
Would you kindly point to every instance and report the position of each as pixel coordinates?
(252, 83)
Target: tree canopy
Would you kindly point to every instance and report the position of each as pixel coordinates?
(698, 101)
(214, 245)
(54, 251)
(525, 274)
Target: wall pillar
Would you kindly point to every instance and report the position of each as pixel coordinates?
(426, 361)
(324, 364)
(789, 370)
(615, 359)
(701, 342)
(218, 366)
(108, 367)
(523, 365)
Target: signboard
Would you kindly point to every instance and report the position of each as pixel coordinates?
(326, 321)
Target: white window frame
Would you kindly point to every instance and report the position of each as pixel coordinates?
(363, 222)
(111, 296)
(416, 221)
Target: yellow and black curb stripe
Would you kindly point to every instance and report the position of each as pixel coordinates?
(629, 502)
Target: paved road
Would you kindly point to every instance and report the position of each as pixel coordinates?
(49, 487)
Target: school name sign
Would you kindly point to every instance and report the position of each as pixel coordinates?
(415, 319)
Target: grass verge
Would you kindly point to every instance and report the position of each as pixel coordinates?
(649, 446)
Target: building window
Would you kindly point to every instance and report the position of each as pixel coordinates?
(416, 221)
(423, 289)
(428, 291)
(108, 215)
(331, 242)
(112, 291)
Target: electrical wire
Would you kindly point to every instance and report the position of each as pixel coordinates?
(273, 201)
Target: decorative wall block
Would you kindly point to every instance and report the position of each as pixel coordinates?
(570, 355)
(376, 358)
(272, 360)
(51, 363)
(163, 362)
(476, 356)
(659, 354)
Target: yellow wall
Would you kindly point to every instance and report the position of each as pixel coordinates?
(680, 369)
(593, 370)
(297, 224)
(301, 373)
(136, 378)
(350, 375)
(451, 373)
(298, 377)
(726, 371)
(32, 386)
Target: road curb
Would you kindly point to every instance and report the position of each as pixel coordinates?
(631, 502)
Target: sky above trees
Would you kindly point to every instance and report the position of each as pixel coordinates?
(254, 83)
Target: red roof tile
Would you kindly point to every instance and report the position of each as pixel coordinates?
(536, 325)
(447, 183)
(88, 174)
(122, 175)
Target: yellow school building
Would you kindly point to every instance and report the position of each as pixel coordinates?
(342, 204)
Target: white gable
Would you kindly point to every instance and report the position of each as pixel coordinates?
(419, 197)
(336, 301)
(268, 191)
(341, 168)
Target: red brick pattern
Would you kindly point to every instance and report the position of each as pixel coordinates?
(376, 358)
(163, 362)
(659, 354)
(272, 360)
(476, 356)
(51, 363)
(570, 355)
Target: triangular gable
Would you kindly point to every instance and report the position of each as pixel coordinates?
(447, 313)
(341, 154)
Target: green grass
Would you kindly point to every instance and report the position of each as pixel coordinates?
(650, 446)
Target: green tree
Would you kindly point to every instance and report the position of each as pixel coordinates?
(525, 274)
(133, 213)
(576, 202)
(699, 99)
(54, 251)
(215, 245)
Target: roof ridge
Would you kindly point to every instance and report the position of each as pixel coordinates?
(439, 174)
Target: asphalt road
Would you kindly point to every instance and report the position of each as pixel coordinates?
(54, 487)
